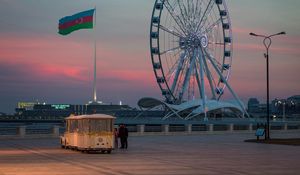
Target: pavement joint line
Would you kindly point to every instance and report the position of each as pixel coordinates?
(77, 163)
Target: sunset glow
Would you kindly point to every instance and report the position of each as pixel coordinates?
(37, 63)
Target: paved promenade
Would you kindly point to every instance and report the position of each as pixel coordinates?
(197, 154)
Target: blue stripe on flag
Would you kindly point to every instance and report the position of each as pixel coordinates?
(77, 15)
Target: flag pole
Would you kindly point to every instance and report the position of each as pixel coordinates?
(95, 68)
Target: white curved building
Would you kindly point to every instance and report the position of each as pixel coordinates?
(193, 108)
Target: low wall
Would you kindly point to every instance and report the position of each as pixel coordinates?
(140, 130)
(26, 131)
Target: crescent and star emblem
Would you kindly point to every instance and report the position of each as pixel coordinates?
(79, 21)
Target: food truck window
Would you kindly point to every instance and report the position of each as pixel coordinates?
(100, 125)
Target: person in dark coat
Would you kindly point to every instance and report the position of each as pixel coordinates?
(126, 137)
(122, 135)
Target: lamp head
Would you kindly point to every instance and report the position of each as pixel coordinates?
(282, 33)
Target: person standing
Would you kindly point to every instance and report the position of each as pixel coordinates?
(126, 137)
(122, 135)
(116, 138)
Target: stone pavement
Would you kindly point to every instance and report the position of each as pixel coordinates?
(197, 154)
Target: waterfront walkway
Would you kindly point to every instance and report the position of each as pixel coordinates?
(193, 154)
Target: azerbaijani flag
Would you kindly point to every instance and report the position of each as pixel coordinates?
(82, 20)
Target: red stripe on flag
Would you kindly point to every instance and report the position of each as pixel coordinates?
(75, 22)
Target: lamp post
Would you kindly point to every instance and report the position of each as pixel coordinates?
(267, 41)
(283, 111)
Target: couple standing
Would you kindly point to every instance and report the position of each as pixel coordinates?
(122, 132)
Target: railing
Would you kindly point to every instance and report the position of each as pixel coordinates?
(146, 129)
(31, 130)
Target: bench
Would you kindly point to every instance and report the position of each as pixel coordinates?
(259, 132)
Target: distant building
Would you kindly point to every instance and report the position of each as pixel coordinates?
(60, 111)
(253, 105)
(289, 106)
(26, 105)
(29, 110)
(278, 106)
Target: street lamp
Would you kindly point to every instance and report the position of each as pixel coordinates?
(267, 43)
(283, 103)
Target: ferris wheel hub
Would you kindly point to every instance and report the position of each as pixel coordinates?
(204, 41)
(193, 41)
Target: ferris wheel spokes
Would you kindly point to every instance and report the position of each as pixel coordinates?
(209, 28)
(169, 50)
(210, 79)
(178, 70)
(180, 30)
(173, 67)
(225, 82)
(198, 80)
(188, 74)
(191, 52)
(170, 31)
(205, 14)
(175, 17)
(201, 60)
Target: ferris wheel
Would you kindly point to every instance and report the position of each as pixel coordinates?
(191, 49)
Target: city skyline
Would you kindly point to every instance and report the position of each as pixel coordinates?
(36, 63)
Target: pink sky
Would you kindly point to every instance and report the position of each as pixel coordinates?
(37, 63)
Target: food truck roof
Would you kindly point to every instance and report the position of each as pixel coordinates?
(93, 116)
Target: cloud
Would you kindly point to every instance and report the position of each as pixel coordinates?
(27, 73)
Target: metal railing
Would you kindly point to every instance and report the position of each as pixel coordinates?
(55, 131)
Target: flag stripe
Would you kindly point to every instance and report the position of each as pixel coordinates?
(87, 25)
(77, 15)
(75, 22)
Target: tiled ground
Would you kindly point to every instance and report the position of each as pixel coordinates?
(202, 154)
